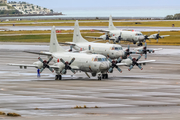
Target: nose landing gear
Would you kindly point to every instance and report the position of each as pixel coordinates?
(140, 44)
(58, 77)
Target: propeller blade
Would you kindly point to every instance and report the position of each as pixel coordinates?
(72, 60)
(41, 70)
(89, 47)
(40, 59)
(49, 60)
(146, 56)
(145, 44)
(139, 57)
(128, 46)
(119, 59)
(130, 67)
(110, 69)
(51, 69)
(64, 70)
(119, 70)
(110, 60)
(140, 67)
(130, 57)
(73, 71)
(62, 61)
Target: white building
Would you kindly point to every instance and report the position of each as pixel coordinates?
(3, 8)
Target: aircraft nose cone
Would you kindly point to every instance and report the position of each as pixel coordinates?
(141, 37)
(104, 66)
(119, 54)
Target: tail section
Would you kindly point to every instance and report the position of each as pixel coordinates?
(54, 45)
(77, 34)
(111, 25)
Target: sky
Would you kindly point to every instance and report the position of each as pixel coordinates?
(71, 4)
(132, 8)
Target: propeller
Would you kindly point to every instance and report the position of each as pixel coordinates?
(146, 38)
(45, 65)
(127, 52)
(145, 50)
(107, 37)
(114, 65)
(134, 62)
(67, 65)
(158, 36)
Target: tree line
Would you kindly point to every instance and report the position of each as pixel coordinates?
(173, 17)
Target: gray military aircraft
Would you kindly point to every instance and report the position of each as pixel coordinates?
(63, 61)
(117, 35)
(112, 51)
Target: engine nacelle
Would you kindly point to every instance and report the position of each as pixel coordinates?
(39, 64)
(103, 37)
(60, 65)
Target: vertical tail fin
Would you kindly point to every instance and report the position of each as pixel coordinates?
(54, 45)
(77, 34)
(111, 25)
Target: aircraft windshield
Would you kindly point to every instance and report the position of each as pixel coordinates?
(116, 48)
(139, 34)
(100, 59)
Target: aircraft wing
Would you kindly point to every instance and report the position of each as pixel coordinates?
(121, 64)
(162, 36)
(23, 65)
(146, 61)
(31, 65)
(106, 31)
(93, 37)
(68, 43)
(40, 53)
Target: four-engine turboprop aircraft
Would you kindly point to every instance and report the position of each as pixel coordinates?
(63, 61)
(112, 51)
(118, 35)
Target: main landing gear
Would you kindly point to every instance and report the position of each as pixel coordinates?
(58, 77)
(140, 44)
(103, 76)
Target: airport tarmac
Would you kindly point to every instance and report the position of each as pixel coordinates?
(150, 94)
(17, 28)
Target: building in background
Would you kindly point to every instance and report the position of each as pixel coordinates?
(3, 1)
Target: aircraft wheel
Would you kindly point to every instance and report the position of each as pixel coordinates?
(99, 77)
(56, 77)
(141, 44)
(60, 77)
(106, 76)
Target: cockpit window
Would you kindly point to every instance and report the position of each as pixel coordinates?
(100, 59)
(139, 34)
(118, 48)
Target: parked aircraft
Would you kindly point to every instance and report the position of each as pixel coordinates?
(113, 51)
(92, 63)
(117, 35)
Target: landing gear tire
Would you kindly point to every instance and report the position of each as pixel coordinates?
(134, 42)
(99, 77)
(139, 44)
(58, 77)
(104, 76)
